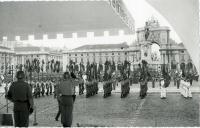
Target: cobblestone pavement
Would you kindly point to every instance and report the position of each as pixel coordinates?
(114, 111)
(130, 111)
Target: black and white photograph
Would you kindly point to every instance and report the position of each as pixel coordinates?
(99, 63)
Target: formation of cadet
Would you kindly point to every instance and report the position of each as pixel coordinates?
(107, 87)
(144, 76)
(43, 88)
(91, 81)
(108, 81)
(91, 88)
(125, 83)
(125, 88)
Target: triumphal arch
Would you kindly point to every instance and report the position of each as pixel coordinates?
(153, 33)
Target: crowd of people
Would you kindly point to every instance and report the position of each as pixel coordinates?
(43, 88)
(21, 93)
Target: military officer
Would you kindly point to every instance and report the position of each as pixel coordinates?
(66, 90)
(20, 94)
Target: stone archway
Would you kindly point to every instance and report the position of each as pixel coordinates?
(183, 23)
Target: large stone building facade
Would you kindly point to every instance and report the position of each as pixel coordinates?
(99, 53)
(7, 60)
(172, 55)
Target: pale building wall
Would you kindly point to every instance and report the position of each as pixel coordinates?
(97, 56)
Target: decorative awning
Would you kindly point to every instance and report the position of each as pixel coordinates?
(61, 17)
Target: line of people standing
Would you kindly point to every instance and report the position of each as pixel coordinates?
(43, 88)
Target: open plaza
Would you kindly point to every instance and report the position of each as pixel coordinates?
(100, 63)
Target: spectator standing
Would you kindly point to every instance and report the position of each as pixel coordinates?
(20, 94)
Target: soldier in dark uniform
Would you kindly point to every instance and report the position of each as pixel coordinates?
(153, 81)
(178, 79)
(144, 75)
(38, 89)
(35, 89)
(47, 88)
(58, 99)
(189, 76)
(20, 94)
(42, 88)
(55, 87)
(50, 87)
(81, 86)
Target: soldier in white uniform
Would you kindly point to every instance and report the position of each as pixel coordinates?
(185, 88)
(163, 91)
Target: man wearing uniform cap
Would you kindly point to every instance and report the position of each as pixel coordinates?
(20, 94)
(66, 90)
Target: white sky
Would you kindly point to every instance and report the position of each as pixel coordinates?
(141, 12)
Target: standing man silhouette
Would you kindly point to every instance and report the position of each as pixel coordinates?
(20, 94)
(66, 91)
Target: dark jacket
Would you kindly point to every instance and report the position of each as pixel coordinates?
(20, 94)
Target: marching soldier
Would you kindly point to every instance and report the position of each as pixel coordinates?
(144, 74)
(50, 87)
(55, 87)
(33, 89)
(153, 81)
(81, 86)
(166, 84)
(47, 88)
(175, 80)
(163, 88)
(107, 87)
(42, 88)
(58, 100)
(38, 91)
(178, 76)
(189, 76)
(115, 80)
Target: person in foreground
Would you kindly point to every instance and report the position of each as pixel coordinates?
(20, 94)
(66, 91)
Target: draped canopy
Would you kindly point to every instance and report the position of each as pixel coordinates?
(54, 17)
